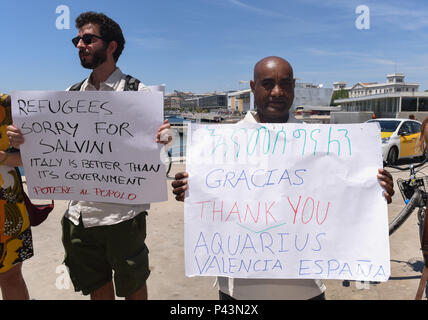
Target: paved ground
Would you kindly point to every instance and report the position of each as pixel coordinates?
(44, 272)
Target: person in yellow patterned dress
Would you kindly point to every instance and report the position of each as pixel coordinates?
(16, 243)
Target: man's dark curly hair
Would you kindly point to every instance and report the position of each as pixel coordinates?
(109, 29)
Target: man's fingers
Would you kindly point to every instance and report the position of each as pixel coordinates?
(179, 190)
(178, 183)
(179, 198)
(15, 140)
(15, 136)
(387, 180)
(181, 175)
(387, 183)
(387, 197)
(165, 125)
(12, 128)
(385, 173)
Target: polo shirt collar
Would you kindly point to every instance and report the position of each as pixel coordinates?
(251, 117)
(113, 79)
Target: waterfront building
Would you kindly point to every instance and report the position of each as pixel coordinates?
(175, 100)
(240, 101)
(340, 85)
(395, 83)
(206, 101)
(392, 99)
(215, 101)
(309, 94)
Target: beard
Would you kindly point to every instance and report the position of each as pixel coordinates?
(98, 58)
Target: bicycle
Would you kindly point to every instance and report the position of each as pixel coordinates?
(414, 193)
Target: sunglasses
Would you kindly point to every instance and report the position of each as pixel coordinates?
(87, 39)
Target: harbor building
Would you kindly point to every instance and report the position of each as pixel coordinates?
(240, 101)
(340, 85)
(392, 99)
(395, 83)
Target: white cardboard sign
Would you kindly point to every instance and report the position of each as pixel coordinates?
(93, 145)
(286, 201)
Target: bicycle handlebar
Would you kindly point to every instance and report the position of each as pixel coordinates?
(410, 166)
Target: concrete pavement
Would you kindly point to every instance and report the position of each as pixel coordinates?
(45, 277)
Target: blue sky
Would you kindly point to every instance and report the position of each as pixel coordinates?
(207, 45)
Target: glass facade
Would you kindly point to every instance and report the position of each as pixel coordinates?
(213, 101)
(409, 104)
(423, 104)
(380, 105)
(387, 106)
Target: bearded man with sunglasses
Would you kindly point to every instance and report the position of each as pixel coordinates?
(100, 238)
(100, 42)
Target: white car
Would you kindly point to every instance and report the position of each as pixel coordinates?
(400, 138)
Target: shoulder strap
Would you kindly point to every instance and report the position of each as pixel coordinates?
(77, 86)
(131, 83)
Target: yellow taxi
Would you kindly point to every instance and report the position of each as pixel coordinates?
(400, 138)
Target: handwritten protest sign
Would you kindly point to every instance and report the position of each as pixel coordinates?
(286, 201)
(94, 146)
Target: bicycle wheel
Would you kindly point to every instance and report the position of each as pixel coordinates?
(406, 212)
